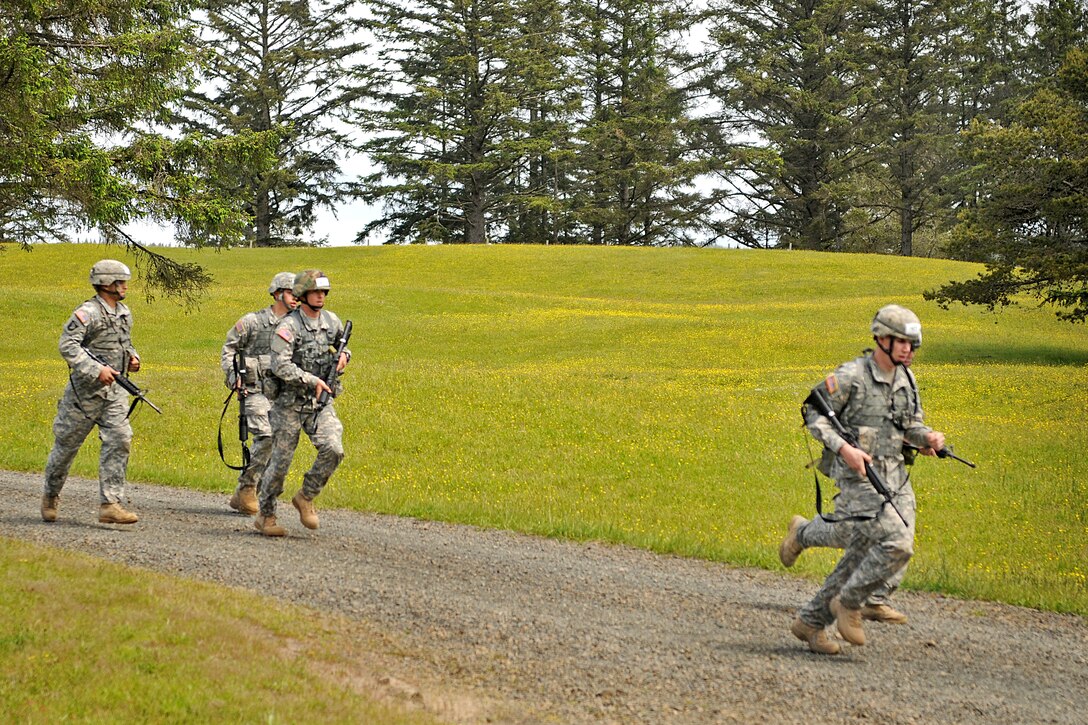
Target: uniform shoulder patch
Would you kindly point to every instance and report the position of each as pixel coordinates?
(832, 384)
(81, 315)
(285, 332)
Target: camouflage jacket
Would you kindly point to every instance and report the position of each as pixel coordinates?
(105, 332)
(302, 352)
(883, 410)
(252, 337)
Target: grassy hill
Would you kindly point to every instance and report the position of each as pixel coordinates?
(643, 396)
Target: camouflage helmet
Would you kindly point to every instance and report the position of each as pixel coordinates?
(107, 271)
(896, 321)
(309, 280)
(283, 280)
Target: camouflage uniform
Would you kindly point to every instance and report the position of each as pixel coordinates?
(301, 349)
(832, 533)
(251, 336)
(86, 403)
(883, 408)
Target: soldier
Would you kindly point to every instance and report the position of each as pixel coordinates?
(103, 326)
(251, 338)
(834, 533)
(874, 395)
(302, 348)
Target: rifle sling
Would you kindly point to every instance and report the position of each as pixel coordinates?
(219, 437)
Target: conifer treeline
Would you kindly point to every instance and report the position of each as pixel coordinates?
(818, 124)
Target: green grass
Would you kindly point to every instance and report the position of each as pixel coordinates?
(644, 396)
(85, 640)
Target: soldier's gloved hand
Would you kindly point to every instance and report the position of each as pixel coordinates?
(855, 458)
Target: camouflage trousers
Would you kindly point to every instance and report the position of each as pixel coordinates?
(874, 559)
(70, 429)
(831, 534)
(327, 437)
(260, 431)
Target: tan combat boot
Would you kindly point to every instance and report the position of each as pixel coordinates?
(306, 512)
(49, 507)
(244, 501)
(849, 622)
(790, 548)
(115, 513)
(267, 525)
(883, 613)
(816, 637)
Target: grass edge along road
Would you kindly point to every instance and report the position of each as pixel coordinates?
(642, 396)
(87, 640)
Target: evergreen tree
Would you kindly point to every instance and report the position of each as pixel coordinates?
(472, 132)
(290, 69)
(1030, 226)
(639, 148)
(80, 82)
(795, 104)
(913, 55)
(547, 98)
(987, 60)
(1058, 26)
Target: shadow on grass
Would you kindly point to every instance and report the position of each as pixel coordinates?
(980, 354)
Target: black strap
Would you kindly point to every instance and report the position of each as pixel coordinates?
(245, 448)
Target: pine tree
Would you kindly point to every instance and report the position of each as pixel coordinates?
(472, 133)
(795, 105)
(639, 154)
(1059, 25)
(287, 68)
(1030, 226)
(80, 85)
(913, 54)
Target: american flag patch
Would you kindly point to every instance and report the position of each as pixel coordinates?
(832, 384)
(81, 316)
(285, 333)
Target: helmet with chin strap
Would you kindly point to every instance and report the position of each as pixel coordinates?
(310, 280)
(283, 280)
(897, 321)
(107, 271)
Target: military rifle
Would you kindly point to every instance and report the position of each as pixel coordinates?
(823, 407)
(243, 420)
(946, 453)
(329, 374)
(125, 382)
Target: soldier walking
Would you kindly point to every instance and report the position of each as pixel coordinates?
(303, 348)
(101, 326)
(250, 339)
(875, 396)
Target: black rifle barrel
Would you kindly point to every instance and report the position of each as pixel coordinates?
(240, 373)
(330, 376)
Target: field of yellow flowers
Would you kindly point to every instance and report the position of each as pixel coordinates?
(643, 396)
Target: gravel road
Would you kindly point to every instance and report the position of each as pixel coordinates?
(528, 630)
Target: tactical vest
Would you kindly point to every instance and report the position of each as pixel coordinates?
(314, 349)
(880, 412)
(108, 336)
(258, 343)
